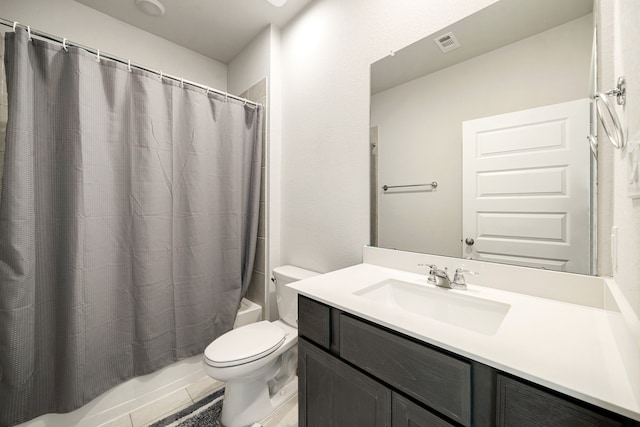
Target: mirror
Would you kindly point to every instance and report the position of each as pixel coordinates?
(481, 151)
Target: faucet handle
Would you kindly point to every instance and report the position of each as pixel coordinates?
(432, 272)
(458, 278)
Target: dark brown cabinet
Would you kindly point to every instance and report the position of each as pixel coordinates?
(523, 405)
(432, 378)
(355, 373)
(409, 414)
(335, 394)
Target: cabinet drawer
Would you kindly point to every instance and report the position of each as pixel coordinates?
(439, 381)
(314, 321)
(408, 414)
(522, 405)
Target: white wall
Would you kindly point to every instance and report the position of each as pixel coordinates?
(274, 167)
(420, 127)
(327, 51)
(79, 23)
(251, 65)
(619, 38)
(259, 59)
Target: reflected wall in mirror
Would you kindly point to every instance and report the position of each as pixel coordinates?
(501, 124)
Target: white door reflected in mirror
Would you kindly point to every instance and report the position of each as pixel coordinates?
(525, 190)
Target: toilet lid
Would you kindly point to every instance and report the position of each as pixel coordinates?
(245, 344)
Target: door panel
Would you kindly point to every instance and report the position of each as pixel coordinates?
(521, 182)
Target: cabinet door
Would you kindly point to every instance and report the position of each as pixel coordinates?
(331, 393)
(408, 414)
(521, 405)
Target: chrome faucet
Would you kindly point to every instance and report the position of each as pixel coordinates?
(441, 277)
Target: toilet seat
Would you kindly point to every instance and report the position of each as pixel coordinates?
(244, 345)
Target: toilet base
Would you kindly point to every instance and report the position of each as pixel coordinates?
(245, 404)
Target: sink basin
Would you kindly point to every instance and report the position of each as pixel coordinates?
(439, 304)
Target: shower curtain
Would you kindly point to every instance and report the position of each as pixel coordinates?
(128, 223)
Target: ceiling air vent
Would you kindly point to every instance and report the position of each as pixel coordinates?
(447, 42)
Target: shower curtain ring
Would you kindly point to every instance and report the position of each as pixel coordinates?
(181, 81)
(64, 45)
(129, 65)
(15, 24)
(29, 32)
(208, 89)
(161, 75)
(98, 56)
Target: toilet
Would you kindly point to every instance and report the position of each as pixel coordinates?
(258, 361)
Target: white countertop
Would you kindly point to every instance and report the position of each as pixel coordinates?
(575, 349)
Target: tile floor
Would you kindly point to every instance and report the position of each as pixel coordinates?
(285, 416)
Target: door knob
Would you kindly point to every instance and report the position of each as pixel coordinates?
(469, 241)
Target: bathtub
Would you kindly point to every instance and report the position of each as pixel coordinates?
(249, 312)
(139, 391)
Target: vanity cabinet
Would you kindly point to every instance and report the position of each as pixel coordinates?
(355, 373)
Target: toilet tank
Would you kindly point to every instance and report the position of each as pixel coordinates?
(286, 297)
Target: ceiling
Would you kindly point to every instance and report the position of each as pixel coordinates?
(218, 29)
(497, 25)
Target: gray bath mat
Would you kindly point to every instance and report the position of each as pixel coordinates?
(205, 412)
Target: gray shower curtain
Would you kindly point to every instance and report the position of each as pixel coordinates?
(128, 223)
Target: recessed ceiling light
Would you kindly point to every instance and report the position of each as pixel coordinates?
(277, 3)
(151, 7)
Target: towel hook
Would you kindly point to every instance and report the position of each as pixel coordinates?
(620, 91)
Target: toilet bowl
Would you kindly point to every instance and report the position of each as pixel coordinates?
(258, 361)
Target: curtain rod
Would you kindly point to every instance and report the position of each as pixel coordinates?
(66, 43)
